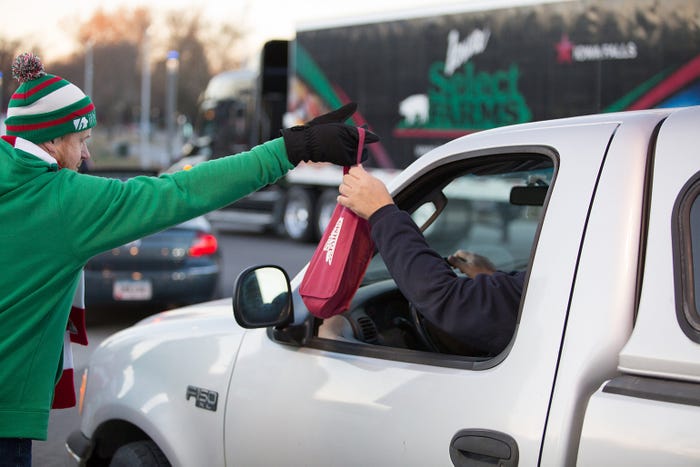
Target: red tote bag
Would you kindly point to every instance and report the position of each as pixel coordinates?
(340, 261)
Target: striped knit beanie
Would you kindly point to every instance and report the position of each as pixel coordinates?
(45, 106)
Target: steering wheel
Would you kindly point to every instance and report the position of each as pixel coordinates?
(419, 325)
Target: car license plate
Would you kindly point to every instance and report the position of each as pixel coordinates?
(132, 290)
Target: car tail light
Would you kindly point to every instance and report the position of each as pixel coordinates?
(203, 245)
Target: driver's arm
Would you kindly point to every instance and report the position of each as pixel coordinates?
(481, 311)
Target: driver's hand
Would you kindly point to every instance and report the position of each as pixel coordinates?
(470, 263)
(362, 192)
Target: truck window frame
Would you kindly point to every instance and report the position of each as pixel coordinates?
(686, 259)
(462, 163)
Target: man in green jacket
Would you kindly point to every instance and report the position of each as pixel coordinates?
(54, 219)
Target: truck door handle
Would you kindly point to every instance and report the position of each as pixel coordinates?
(474, 447)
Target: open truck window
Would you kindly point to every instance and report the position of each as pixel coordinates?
(491, 206)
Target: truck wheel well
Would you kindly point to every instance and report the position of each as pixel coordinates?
(110, 436)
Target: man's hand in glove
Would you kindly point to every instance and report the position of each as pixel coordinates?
(326, 139)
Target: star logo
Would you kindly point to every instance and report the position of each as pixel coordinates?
(564, 48)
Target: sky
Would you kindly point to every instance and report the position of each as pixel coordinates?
(267, 18)
(51, 28)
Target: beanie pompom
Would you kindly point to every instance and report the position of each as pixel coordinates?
(27, 67)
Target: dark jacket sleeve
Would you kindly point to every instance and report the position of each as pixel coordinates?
(480, 312)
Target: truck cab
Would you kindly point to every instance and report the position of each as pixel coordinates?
(602, 367)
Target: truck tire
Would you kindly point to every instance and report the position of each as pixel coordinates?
(299, 215)
(324, 210)
(139, 454)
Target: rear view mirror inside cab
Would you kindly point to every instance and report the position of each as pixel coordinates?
(533, 194)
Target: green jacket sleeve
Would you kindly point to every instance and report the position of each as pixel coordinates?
(99, 214)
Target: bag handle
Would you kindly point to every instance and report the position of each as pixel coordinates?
(360, 147)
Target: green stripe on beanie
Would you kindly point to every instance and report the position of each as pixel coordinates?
(45, 106)
(27, 94)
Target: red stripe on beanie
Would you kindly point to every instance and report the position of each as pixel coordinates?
(37, 126)
(37, 88)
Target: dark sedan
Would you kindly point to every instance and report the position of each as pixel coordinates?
(177, 266)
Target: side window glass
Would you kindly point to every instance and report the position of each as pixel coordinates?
(686, 252)
(695, 249)
(490, 207)
(480, 217)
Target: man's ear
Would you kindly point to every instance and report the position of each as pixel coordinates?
(49, 146)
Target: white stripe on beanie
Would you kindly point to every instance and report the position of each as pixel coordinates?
(67, 95)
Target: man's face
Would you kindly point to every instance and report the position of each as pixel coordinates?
(71, 150)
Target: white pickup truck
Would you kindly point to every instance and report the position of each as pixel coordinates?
(603, 367)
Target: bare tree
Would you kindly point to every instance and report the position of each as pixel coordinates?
(225, 46)
(183, 36)
(124, 25)
(204, 49)
(115, 41)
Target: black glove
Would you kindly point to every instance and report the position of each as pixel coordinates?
(339, 115)
(326, 139)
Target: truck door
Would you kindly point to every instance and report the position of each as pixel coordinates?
(364, 389)
(655, 398)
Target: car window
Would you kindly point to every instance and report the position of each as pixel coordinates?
(686, 243)
(479, 217)
(695, 248)
(470, 205)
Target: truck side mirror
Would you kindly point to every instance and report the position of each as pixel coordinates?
(262, 298)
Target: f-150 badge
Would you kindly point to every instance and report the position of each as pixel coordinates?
(203, 398)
